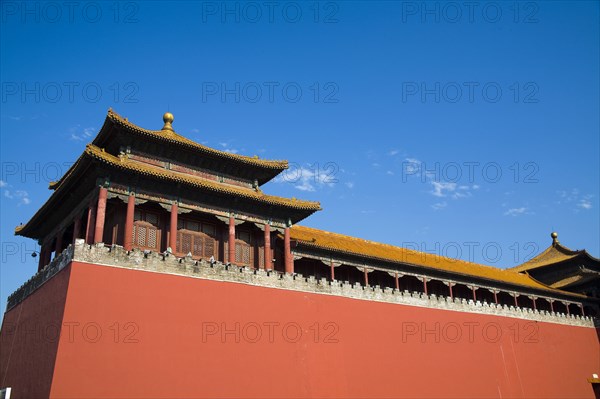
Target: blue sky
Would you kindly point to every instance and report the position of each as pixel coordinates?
(467, 132)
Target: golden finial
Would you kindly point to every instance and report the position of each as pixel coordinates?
(554, 236)
(168, 119)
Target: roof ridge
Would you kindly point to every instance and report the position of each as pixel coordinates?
(172, 136)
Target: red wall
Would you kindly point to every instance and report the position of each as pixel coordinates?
(29, 339)
(157, 347)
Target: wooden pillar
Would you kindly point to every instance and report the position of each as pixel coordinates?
(516, 302)
(495, 297)
(48, 255)
(425, 285)
(76, 228)
(568, 310)
(366, 277)
(58, 243)
(451, 293)
(287, 250)
(582, 311)
(173, 227)
(267, 257)
(332, 271)
(534, 305)
(474, 294)
(397, 281)
(129, 219)
(552, 306)
(91, 224)
(43, 256)
(231, 250)
(100, 215)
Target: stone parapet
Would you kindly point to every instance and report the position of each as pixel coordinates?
(117, 256)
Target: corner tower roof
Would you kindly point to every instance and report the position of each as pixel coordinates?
(554, 254)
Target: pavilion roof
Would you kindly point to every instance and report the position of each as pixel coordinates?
(93, 153)
(263, 169)
(555, 253)
(335, 242)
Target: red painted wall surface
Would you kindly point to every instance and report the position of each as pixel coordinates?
(29, 339)
(139, 334)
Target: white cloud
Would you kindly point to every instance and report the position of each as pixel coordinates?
(393, 152)
(78, 134)
(3, 184)
(516, 212)
(439, 205)
(441, 189)
(226, 148)
(21, 196)
(452, 190)
(573, 197)
(411, 167)
(305, 179)
(585, 202)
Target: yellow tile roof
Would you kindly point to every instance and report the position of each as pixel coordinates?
(196, 181)
(172, 137)
(553, 254)
(356, 246)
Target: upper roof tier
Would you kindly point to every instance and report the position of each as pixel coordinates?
(555, 253)
(118, 133)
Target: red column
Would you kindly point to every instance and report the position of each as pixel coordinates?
(58, 244)
(268, 261)
(534, 305)
(100, 215)
(495, 297)
(582, 311)
(128, 239)
(173, 231)
(451, 293)
(474, 294)
(42, 261)
(397, 282)
(332, 271)
(568, 311)
(91, 225)
(47, 255)
(288, 261)
(516, 302)
(366, 277)
(425, 285)
(552, 306)
(231, 240)
(76, 228)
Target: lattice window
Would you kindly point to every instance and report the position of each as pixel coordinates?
(146, 234)
(200, 245)
(243, 248)
(141, 235)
